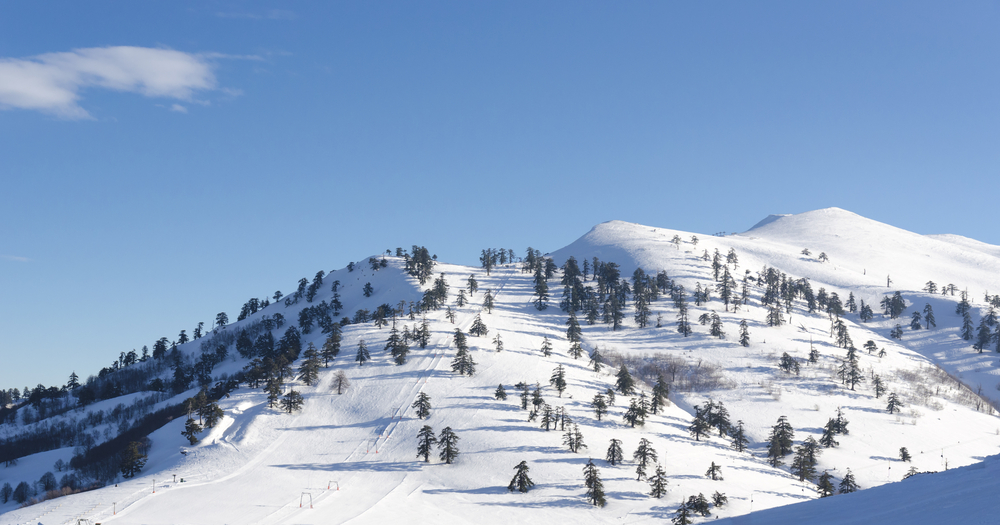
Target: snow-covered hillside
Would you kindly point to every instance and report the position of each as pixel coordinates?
(353, 456)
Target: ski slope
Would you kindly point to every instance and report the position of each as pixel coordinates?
(353, 456)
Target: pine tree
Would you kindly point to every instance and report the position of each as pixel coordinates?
(488, 301)
(548, 417)
(425, 442)
(658, 483)
(573, 331)
(744, 333)
(576, 350)
(291, 401)
(825, 485)
(363, 354)
(541, 297)
(396, 346)
(848, 485)
(478, 328)
(521, 482)
(473, 285)
(904, 455)
(191, 428)
(331, 347)
(804, 462)
(132, 460)
(719, 499)
(463, 362)
(599, 405)
(682, 516)
(643, 456)
(546, 347)
(779, 442)
(595, 488)
(699, 504)
(595, 360)
(788, 364)
(740, 441)
(714, 472)
(574, 439)
(448, 444)
(422, 405)
(615, 455)
(500, 394)
(633, 415)
(309, 371)
(661, 392)
(828, 439)
(878, 385)
(894, 404)
(624, 383)
(700, 426)
(558, 379)
(929, 316)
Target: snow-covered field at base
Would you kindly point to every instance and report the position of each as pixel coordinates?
(353, 456)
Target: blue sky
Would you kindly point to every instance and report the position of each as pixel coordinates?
(230, 148)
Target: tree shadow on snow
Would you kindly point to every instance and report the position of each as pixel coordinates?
(355, 466)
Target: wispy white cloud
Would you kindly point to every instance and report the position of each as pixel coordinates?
(273, 14)
(15, 258)
(178, 108)
(52, 82)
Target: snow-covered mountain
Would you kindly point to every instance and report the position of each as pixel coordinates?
(353, 456)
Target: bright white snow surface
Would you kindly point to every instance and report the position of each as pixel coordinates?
(264, 466)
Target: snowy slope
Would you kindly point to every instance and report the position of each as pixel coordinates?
(260, 464)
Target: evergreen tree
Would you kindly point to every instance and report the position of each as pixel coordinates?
(292, 401)
(463, 362)
(425, 442)
(573, 331)
(331, 347)
(804, 462)
(541, 297)
(788, 364)
(610, 393)
(6, 493)
(396, 346)
(595, 360)
(624, 382)
(558, 379)
(309, 370)
(500, 394)
(929, 316)
(615, 455)
(521, 482)
(894, 404)
(363, 354)
(132, 461)
(658, 483)
(744, 334)
(488, 301)
(473, 285)
(478, 328)
(595, 488)
(422, 405)
(549, 419)
(422, 336)
(848, 485)
(546, 347)
(699, 427)
(682, 516)
(191, 429)
(904, 455)
(828, 439)
(825, 485)
(498, 343)
(599, 405)
(575, 350)
(699, 504)
(915, 319)
(448, 445)
(661, 392)
(779, 441)
(878, 385)
(740, 441)
(643, 456)
(719, 499)
(574, 439)
(714, 472)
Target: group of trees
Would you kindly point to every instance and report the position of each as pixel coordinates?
(446, 442)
